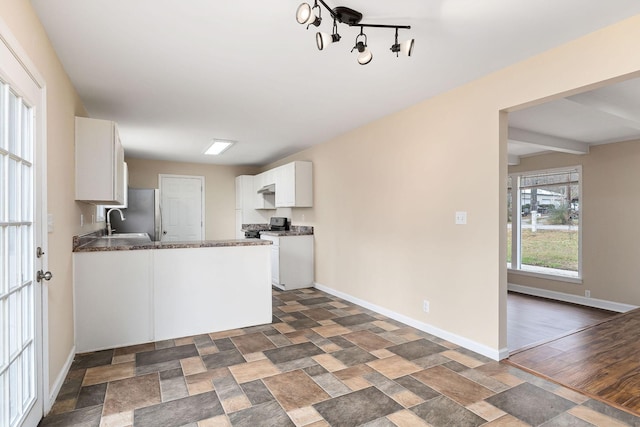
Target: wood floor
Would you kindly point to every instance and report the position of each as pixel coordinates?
(602, 361)
(533, 320)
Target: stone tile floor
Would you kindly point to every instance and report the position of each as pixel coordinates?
(322, 362)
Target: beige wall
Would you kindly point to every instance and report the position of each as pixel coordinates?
(220, 196)
(62, 104)
(384, 216)
(609, 217)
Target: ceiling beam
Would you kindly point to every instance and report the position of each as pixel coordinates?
(626, 116)
(548, 142)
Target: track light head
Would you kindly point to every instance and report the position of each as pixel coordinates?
(406, 47)
(324, 39)
(305, 15)
(364, 56)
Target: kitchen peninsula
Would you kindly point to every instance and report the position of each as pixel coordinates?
(130, 292)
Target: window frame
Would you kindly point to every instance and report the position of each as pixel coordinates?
(516, 225)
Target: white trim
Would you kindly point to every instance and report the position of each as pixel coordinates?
(47, 402)
(575, 299)
(440, 333)
(57, 385)
(556, 277)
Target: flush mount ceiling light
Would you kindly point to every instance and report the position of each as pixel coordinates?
(310, 15)
(219, 146)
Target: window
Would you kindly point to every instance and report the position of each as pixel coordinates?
(543, 227)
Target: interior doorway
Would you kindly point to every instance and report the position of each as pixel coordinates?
(182, 208)
(550, 146)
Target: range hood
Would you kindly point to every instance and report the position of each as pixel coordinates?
(268, 189)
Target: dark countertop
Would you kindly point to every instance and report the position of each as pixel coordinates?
(295, 230)
(98, 244)
(286, 233)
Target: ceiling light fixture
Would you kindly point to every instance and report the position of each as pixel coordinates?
(219, 146)
(306, 14)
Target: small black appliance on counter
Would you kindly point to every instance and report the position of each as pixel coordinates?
(278, 223)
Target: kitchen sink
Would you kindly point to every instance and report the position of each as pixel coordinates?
(128, 236)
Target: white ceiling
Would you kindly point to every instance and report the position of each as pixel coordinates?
(176, 74)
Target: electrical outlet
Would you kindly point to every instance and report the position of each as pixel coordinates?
(461, 217)
(587, 294)
(425, 306)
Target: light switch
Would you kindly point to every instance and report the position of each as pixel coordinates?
(461, 217)
(50, 223)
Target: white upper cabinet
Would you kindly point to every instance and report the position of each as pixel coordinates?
(246, 212)
(261, 200)
(294, 185)
(100, 170)
(240, 181)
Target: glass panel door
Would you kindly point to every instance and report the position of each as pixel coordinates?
(18, 343)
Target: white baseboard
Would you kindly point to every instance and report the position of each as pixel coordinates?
(57, 385)
(425, 327)
(575, 299)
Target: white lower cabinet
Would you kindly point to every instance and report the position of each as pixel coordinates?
(291, 261)
(132, 297)
(112, 294)
(221, 288)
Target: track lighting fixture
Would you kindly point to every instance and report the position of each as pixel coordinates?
(306, 14)
(364, 56)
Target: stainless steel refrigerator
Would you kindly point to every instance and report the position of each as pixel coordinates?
(142, 214)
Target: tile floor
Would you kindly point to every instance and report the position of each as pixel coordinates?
(322, 362)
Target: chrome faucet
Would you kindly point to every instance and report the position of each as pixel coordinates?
(109, 229)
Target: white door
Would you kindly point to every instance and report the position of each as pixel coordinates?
(182, 208)
(22, 202)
